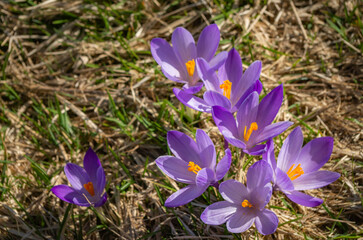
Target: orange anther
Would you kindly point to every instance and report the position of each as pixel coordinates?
(226, 86)
(247, 134)
(89, 187)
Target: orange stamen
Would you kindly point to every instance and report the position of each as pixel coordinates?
(247, 134)
(297, 172)
(89, 187)
(190, 67)
(226, 86)
(192, 167)
(246, 203)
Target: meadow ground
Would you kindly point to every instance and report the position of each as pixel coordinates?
(76, 74)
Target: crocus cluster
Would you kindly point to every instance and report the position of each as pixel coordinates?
(232, 97)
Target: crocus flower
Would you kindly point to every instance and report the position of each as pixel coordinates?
(297, 167)
(227, 89)
(253, 122)
(194, 164)
(178, 62)
(88, 183)
(244, 206)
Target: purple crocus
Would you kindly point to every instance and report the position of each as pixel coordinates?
(297, 167)
(244, 206)
(253, 122)
(227, 89)
(178, 62)
(88, 183)
(194, 164)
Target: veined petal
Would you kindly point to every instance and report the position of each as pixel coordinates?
(314, 180)
(213, 98)
(258, 175)
(290, 149)
(91, 164)
(100, 182)
(240, 221)
(315, 154)
(266, 222)
(269, 106)
(283, 182)
(233, 191)
(246, 114)
(192, 101)
(270, 131)
(304, 199)
(269, 155)
(102, 201)
(208, 75)
(218, 213)
(259, 197)
(76, 175)
(233, 70)
(205, 177)
(208, 42)
(206, 148)
(183, 45)
(256, 150)
(257, 87)
(185, 195)
(218, 60)
(223, 165)
(176, 169)
(70, 195)
(184, 147)
(192, 89)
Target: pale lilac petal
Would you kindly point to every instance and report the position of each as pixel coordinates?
(246, 114)
(101, 201)
(256, 150)
(184, 147)
(218, 60)
(266, 222)
(206, 148)
(192, 89)
(208, 42)
(314, 180)
(218, 213)
(176, 169)
(270, 131)
(192, 101)
(269, 155)
(164, 55)
(283, 182)
(216, 99)
(91, 164)
(258, 175)
(183, 45)
(100, 183)
(223, 165)
(208, 75)
(77, 176)
(304, 199)
(205, 177)
(259, 197)
(290, 149)
(315, 154)
(70, 195)
(269, 107)
(233, 191)
(185, 195)
(240, 221)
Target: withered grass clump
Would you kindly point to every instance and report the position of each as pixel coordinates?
(79, 73)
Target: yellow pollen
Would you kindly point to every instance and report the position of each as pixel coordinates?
(190, 67)
(89, 187)
(297, 172)
(192, 167)
(246, 203)
(226, 86)
(247, 134)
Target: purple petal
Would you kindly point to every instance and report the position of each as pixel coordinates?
(283, 182)
(185, 195)
(208, 42)
(233, 191)
(224, 165)
(77, 176)
(213, 98)
(290, 149)
(184, 147)
(259, 197)
(164, 55)
(218, 60)
(315, 154)
(91, 164)
(266, 222)
(240, 221)
(258, 175)
(314, 180)
(208, 75)
(257, 87)
(227, 126)
(191, 101)
(100, 183)
(304, 199)
(192, 89)
(183, 45)
(233, 69)
(271, 131)
(176, 169)
(218, 213)
(269, 155)
(256, 150)
(70, 195)
(101, 201)
(205, 177)
(246, 114)
(270, 106)
(206, 149)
